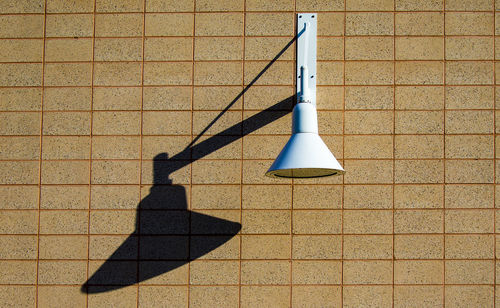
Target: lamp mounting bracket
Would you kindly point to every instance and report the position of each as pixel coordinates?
(306, 57)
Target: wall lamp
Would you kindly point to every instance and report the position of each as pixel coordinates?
(305, 155)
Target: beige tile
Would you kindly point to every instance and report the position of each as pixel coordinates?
(229, 73)
(316, 296)
(367, 247)
(66, 123)
(469, 271)
(66, 147)
(469, 196)
(369, 97)
(115, 147)
(368, 172)
(216, 172)
(19, 172)
(319, 5)
(166, 172)
(469, 146)
(18, 26)
(470, 48)
(419, 48)
(227, 5)
(371, 5)
(280, 73)
(63, 247)
(330, 48)
(117, 74)
(474, 73)
(168, 49)
(64, 222)
(469, 171)
(21, 74)
(222, 48)
(115, 172)
(173, 73)
(62, 272)
(64, 197)
(317, 247)
(418, 272)
(122, 49)
(169, 6)
(118, 25)
(215, 98)
(270, 197)
(123, 6)
(369, 73)
(61, 296)
(114, 197)
(368, 147)
(169, 24)
(167, 98)
(266, 24)
(414, 146)
(419, 23)
(263, 147)
(68, 50)
(369, 24)
(67, 98)
(469, 97)
(18, 296)
(330, 123)
(267, 48)
(331, 98)
(20, 99)
(418, 171)
(481, 5)
(18, 272)
(175, 145)
(331, 24)
(262, 222)
(317, 222)
(112, 222)
(20, 148)
(155, 296)
(23, 6)
(367, 222)
(418, 196)
(324, 196)
(418, 296)
(367, 272)
(219, 24)
(469, 122)
(116, 123)
(469, 23)
(213, 296)
(316, 272)
(266, 246)
(465, 296)
(66, 25)
(62, 6)
(18, 197)
(418, 246)
(117, 98)
(367, 296)
(419, 122)
(420, 73)
(265, 272)
(213, 272)
(372, 122)
(416, 97)
(102, 247)
(254, 170)
(18, 247)
(267, 296)
(19, 123)
(367, 197)
(68, 74)
(369, 48)
(470, 246)
(65, 172)
(124, 297)
(418, 221)
(469, 221)
(262, 5)
(21, 50)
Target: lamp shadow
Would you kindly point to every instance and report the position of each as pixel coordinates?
(167, 235)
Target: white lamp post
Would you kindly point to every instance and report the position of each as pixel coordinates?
(305, 155)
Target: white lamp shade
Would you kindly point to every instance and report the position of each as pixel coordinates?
(305, 156)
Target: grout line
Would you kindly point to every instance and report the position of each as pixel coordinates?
(343, 155)
(243, 54)
(494, 156)
(393, 148)
(444, 155)
(39, 197)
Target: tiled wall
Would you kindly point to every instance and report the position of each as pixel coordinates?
(93, 91)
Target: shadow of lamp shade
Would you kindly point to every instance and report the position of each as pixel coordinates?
(305, 155)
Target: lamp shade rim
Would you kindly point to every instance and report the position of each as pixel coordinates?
(304, 173)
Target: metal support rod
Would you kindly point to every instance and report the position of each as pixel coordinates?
(306, 57)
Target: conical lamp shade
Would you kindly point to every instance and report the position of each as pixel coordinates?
(305, 156)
